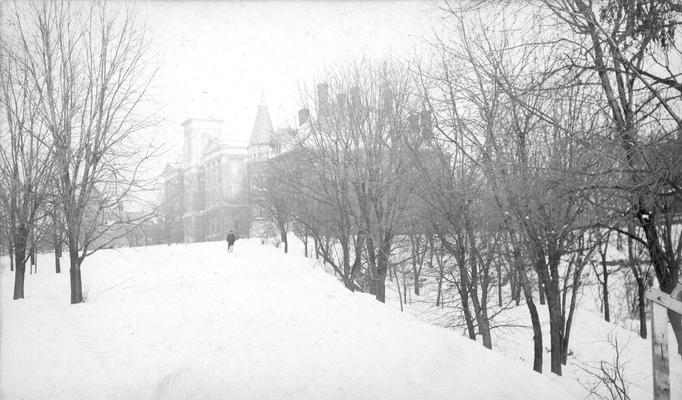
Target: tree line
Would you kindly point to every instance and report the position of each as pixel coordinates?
(509, 160)
(73, 77)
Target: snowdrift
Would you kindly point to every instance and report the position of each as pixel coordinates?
(193, 322)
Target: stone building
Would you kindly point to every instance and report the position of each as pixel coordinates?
(262, 147)
(206, 193)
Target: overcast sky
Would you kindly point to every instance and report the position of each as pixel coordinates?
(218, 57)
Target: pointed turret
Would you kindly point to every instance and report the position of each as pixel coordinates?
(262, 132)
(262, 141)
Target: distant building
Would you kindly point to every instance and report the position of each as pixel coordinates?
(262, 147)
(206, 193)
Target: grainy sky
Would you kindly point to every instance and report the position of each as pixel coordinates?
(218, 57)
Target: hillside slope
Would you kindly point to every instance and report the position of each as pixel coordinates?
(190, 321)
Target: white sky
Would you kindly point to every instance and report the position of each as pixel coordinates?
(217, 57)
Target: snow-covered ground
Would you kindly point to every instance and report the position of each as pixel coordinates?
(192, 322)
(592, 339)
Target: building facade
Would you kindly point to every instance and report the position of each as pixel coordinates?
(206, 194)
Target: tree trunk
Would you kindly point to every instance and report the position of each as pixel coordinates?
(416, 283)
(468, 318)
(512, 282)
(417, 261)
(480, 309)
(372, 266)
(397, 284)
(283, 237)
(541, 291)
(380, 280)
(348, 283)
(532, 309)
(439, 295)
(57, 262)
(34, 264)
(484, 327)
(57, 254)
(19, 270)
(667, 273)
(537, 333)
(641, 304)
(20, 241)
(464, 289)
(571, 312)
(11, 257)
(499, 285)
(556, 326)
(547, 269)
(75, 276)
(605, 287)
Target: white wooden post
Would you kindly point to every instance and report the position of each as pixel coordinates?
(660, 303)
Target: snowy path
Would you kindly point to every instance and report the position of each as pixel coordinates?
(192, 322)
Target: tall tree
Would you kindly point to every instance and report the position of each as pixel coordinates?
(630, 51)
(26, 154)
(353, 150)
(87, 64)
(270, 194)
(526, 129)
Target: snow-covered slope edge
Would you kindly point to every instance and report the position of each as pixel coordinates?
(190, 321)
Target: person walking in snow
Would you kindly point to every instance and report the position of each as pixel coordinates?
(230, 241)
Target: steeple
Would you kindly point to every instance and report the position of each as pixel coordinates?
(262, 133)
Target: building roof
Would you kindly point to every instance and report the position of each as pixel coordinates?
(262, 132)
(200, 120)
(216, 146)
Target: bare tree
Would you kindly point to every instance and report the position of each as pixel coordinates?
(87, 65)
(419, 248)
(356, 186)
(270, 194)
(323, 205)
(629, 50)
(376, 117)
(607, 380)
(527, 128)
(25, 155)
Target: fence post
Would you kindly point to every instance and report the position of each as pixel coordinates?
(660, 303)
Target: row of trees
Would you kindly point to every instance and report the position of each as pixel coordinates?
(72, 78)
(508, 156)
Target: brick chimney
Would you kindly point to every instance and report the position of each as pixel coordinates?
(341, 100)
(323, 105)
(426, 124)
(355, 96)
(413, 123)
(303, 116)
(388, 99)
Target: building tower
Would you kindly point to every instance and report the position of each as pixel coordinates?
(198, 132)
(262, 144)
(262, 147)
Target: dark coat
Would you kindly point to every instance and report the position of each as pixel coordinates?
(230, 239)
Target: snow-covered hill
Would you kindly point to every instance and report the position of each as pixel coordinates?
(192, 322)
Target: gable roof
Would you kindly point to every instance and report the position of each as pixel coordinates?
(212, 145)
